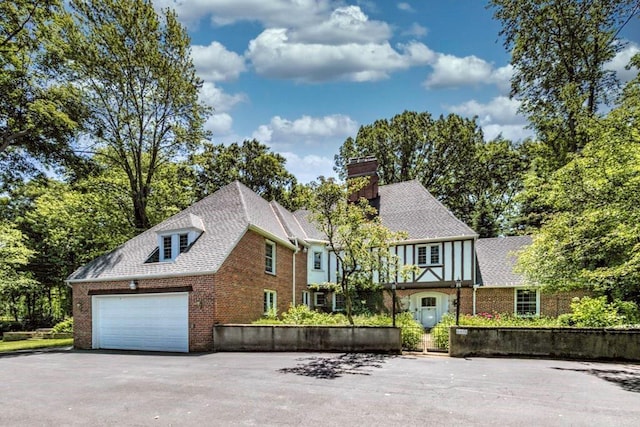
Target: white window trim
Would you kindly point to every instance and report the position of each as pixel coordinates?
(273, 306)
(428, 254)
(515, 301)
(273, 257)
(315, 299)
(334, 305)
(306, 298)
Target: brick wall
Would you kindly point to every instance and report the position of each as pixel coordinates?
(233, 295)
(241, 281)
(502, 300)
(201, 314)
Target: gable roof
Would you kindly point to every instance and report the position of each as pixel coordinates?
(224, 216)
(497, 258)
(408, 206)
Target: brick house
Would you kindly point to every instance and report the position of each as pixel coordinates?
(233, 257)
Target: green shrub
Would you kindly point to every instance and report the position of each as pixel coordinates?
(411, 331)
(597, 313)
(66, 326)
(440, 332)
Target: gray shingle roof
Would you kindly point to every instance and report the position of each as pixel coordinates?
(225, 216)
(497, 258)
(408, 206)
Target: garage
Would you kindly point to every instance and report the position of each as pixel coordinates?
(149, 322)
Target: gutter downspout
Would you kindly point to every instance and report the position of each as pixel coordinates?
(475, 288)
(293, 296)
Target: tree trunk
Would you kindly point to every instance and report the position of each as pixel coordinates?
(141, 220)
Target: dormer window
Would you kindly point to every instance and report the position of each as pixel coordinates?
(176, 237)
(166, 248)
(184, 242)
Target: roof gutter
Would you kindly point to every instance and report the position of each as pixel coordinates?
(272, 236)
(140, 276)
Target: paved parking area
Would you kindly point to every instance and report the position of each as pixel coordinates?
(110, 388)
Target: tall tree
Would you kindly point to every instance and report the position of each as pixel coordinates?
(15, 284)
(39, 111)
(593, 239)
(135, 68)
(475, 180)
(251, 163)
(559, 50)
(355, 235)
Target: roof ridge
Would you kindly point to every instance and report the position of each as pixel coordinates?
(245, 211)
(272, 205)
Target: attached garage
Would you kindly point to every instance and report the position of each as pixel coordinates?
(150, 322)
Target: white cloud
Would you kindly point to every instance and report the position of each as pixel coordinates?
(406, 7)
(452, 71)
(308, 168)
(621, 60)
(216, 63)
(269, 13)
(500, 109)
(345, 25)
(498, 116)
(219, 124)
(274, 55)
(305, 129)
(416, 30)
(215, 97)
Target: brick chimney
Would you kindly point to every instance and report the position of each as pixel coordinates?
(367, 167)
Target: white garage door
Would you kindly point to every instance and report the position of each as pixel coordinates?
(153, 322)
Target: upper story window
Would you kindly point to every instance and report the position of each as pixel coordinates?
(166, 248)
(317, 260)
(429, 255)
(184, 242)
(269, 257)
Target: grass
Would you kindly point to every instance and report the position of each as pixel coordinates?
(34, 344)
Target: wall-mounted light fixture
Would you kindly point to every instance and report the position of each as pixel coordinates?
(199, 304)
(79, 305)
(133, 285)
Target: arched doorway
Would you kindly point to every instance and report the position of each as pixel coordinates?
(428, 307)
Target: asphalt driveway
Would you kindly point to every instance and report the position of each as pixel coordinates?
(109, 388)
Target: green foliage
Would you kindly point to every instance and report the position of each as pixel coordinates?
(251, 163)
(141, 88)
(597, 313)
(411, 330)
(39, 110)
(440, 332)
(65, 326)
(476, 180)
(355, 235)
(559, 51)
(592, 239)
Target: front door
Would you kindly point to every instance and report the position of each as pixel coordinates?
(428, 311)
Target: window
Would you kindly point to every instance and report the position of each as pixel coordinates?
(318, 299)
(270, 302)
(338, 302)
(184, 242)
(428, 255)
(435, 254)
(527, 302)
(428, 302)
(317, 260)
(166, 248)
(305, 298)
(270, 257)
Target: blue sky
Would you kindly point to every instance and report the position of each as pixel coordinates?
(303, 75)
